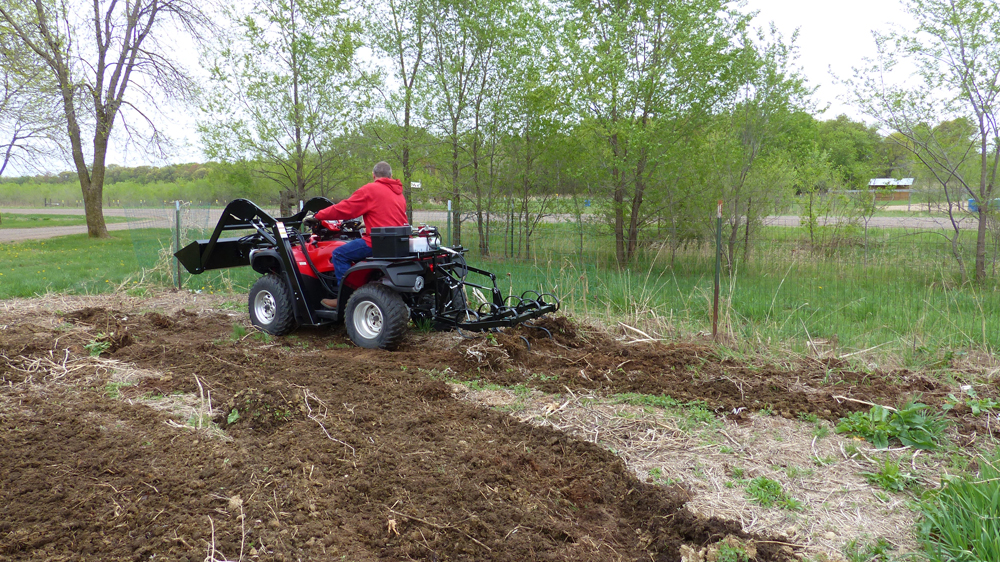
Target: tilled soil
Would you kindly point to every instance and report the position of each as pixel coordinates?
(318, 450)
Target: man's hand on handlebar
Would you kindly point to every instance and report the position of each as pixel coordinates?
(311, 222)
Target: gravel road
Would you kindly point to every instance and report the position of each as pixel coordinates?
(968, 221)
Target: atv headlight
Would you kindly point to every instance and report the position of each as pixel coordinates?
(418, 284)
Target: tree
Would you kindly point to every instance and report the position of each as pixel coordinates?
(643, 71)
(281, 89)
(399, 33)
(956, 52)
(855, 150)
(752, 172)
(106, 61)
(467, 39)
(28, 118)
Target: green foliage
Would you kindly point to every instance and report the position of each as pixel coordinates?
(98, 345)
(239, 332)
(293, 109)
(690, 415)
(233, 416)
(769, 493)
(113, 389)
(976, 404)
(956, 154)
(729, 553)
(890, 477)
(913, 426)
(961, 520)
(859, 550)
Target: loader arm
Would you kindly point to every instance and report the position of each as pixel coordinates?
(240, 215)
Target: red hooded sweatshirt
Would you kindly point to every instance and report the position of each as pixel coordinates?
(380, 203)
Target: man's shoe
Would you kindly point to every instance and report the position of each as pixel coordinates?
(329, 303)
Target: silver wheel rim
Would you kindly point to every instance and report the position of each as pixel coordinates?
(264, 308)
(368, 320)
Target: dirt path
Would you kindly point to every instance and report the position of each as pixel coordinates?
(165, 216)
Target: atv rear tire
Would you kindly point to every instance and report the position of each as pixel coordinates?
(376, 317)
(271, 306)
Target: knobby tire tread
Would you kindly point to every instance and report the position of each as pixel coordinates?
(284, 322)
(395, 315)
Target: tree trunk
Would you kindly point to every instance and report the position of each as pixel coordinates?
(456, 214)
(407, 169)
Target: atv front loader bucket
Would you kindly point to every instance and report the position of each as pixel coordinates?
(240, 214)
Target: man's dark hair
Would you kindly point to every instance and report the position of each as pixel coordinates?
(382, 170)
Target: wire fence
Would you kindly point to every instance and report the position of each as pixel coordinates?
(905, 246)
(893, 278)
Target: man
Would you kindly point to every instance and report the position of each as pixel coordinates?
(379, 203)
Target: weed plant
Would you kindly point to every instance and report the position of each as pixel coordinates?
(891, 477)
(858, 550)
(913, 425)
(769, 493)
(976, 404)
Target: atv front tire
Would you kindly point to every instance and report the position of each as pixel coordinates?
(376, 317)
(271, 305)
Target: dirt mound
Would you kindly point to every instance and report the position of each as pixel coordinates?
(305, 447)
(563, 356)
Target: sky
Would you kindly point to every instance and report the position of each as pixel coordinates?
(834, 37)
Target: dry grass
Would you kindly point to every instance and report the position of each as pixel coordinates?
(65, 371)
(712, 459)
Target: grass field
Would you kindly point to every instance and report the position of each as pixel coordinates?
(897, 295)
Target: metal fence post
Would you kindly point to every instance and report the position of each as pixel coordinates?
(718, 267)
(177, 243)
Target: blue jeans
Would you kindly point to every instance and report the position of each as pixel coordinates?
(347, 255)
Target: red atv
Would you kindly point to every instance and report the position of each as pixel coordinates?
(410, 276)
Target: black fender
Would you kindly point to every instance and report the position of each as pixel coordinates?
(266, 261)
(401, 276)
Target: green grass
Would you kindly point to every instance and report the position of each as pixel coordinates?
(10, 220)
(73, 264)
(961, 521)
(860, 550)
(769, 493)
(688, 415)
(891, 477)
(899, 293)
(77, 264)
